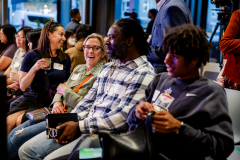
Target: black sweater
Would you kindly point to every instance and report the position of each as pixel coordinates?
(202, 105)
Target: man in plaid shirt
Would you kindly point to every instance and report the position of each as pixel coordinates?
(120, 85)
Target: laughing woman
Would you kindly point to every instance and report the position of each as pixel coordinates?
(93, 47)
(32, 74)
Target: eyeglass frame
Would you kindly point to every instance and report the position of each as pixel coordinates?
(84, 47)
(16, 37)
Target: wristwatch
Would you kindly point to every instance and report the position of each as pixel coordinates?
(182, 127)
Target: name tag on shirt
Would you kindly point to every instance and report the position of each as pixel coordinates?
(75, 76)
(58, 66)
(16, 64)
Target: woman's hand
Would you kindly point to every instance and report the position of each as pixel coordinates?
(41, 63)
(61, 89)
(14, 76)
(58, 108)
(14, 86)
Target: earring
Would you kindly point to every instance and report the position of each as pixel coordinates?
(49, 37)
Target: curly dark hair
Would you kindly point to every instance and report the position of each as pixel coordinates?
(189, 41)
(130, 27)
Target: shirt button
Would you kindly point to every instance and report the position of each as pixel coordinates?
(91, 110)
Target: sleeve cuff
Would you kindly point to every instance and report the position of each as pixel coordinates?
(84, 126)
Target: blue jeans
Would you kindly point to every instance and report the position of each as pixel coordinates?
(20, 135)
(38, 147)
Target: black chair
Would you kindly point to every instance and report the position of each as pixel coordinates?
(3, 113)
(233, 97)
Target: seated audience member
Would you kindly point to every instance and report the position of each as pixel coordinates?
(70, 40)
(76, 53)
(32, 38)
(70, 98)
(12, 73)
(33, 75)
(230, 44)
(119, 86)
(8, 46)
(76, 17)
(191, 120)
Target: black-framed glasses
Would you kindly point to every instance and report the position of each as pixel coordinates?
(94, 48)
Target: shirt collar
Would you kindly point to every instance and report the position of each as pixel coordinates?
(93, 71)
(159, 4)
(138, 61)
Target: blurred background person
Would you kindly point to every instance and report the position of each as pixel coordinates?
(171, 13)
(70, 40)
(36, 69)
(151, 14)
(76, 53)
(12, 72)
(32, 37)
(8, 46)
(230, 44)
(76, 18)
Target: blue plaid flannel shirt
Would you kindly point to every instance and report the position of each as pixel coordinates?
(118, 88)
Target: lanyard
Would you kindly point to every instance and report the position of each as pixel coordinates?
(80, 85)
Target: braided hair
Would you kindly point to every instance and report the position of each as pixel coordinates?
(130, 27)
(189, 41)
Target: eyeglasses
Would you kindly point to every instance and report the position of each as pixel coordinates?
(16, 36)
(94, 48)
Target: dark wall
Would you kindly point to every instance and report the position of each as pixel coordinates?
(103, 15)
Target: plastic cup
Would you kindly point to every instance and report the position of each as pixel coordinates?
(49, 62)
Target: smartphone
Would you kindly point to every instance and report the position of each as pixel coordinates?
(90, 153)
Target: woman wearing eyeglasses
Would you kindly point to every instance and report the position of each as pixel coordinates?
(35, 71)
(95, 54)
(12, 72)
(8, 46)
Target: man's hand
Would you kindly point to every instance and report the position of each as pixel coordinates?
(142, 109)
(164, 122)
(58, 108)
(69, 133)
